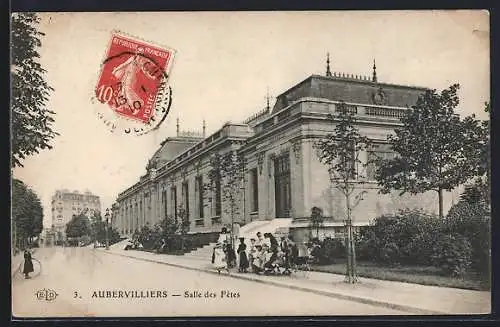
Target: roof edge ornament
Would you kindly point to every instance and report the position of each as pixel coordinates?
(328, 72)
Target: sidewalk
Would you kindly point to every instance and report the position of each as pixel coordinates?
(411, 298)
(15, 262)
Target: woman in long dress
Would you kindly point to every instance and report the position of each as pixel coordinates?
(219, 259)
(242, 254)
(28, 264)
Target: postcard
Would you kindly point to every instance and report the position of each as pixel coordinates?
(227, 164)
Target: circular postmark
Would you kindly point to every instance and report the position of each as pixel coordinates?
(132, 92)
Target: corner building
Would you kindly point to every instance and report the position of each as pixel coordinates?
(66, 204)
(283, 177)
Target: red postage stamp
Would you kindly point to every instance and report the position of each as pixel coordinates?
(131, 76)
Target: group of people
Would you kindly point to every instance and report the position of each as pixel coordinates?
(264, 254)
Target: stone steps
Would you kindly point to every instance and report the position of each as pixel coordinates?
(204, 252)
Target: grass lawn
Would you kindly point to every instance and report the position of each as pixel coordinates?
(409, 274)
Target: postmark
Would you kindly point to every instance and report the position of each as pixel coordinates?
(132, 94)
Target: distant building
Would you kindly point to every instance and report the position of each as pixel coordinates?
(283, 175)
(47, 237)
(65, 204)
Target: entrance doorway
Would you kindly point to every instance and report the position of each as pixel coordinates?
(282, 187)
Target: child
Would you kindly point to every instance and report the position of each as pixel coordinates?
(219, 259)
(251, 252)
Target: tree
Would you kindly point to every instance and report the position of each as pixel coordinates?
(226, 176)
(27, 213)
(477, 192)
(435, 149)
(98, 230)
(478, 132)
(31, 120)
(316, 219)
(340, 151)
(182, 224)
(78, 226)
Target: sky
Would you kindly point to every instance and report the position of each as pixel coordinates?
(225, 62)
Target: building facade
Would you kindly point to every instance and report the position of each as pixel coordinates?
(282, 175)
(65, 204)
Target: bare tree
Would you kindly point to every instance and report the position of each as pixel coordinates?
(340, 151)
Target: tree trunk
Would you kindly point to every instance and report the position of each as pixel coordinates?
(440, 197)
(351, 276)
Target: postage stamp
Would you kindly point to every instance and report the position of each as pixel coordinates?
(132, 84)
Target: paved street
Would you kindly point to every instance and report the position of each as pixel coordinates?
(76, 274)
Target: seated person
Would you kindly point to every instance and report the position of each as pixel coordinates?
(258, 259)
(267, 257)
(251, 251)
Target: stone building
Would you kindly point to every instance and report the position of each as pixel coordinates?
(282, 176)
(65, 204)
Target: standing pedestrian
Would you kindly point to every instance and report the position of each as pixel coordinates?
(28, 264)
(242, 254)
(219, 258)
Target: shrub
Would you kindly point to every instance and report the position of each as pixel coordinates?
(452, 254)
(472, 220)
(400, 238)
(173, 244)
(390, 254)
(420, 249)
(329, 251)
(367, 248)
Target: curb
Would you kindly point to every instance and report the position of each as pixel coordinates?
(363, 300)
(21, 260)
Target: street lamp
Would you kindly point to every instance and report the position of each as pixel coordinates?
(107, 222)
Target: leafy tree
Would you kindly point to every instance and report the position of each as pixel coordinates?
(226, 175)
(98, 230)
(27, 213)
(182, 224)
(477, 192)
(316, 219)
(31, 120)
(78, 226)
(436, 150)
(340, 151)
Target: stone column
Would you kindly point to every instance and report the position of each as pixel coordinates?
(127, 215)
(296, 179)
(270, 210)
(307, 160)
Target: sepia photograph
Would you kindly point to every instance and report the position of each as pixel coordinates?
(250, 164)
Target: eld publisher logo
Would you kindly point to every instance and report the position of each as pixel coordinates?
(46, 295)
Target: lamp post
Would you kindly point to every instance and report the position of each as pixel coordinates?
(107, 223)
